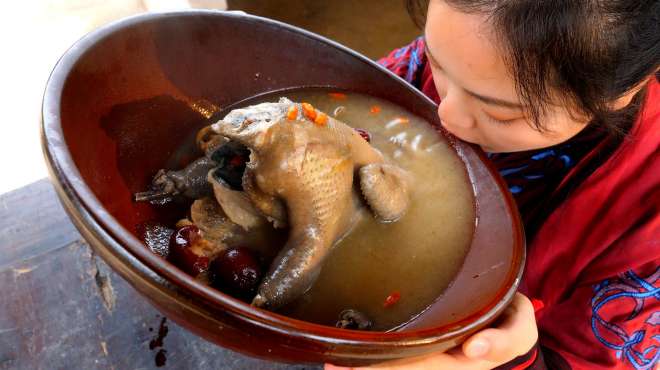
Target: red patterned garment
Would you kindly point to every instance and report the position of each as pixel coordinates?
(591, 208)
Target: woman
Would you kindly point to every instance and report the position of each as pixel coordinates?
(564, 97)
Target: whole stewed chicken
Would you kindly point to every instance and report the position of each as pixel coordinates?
(309, 172)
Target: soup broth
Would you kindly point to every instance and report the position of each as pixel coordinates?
(392, 271)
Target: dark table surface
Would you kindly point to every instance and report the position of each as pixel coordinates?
(63, 308)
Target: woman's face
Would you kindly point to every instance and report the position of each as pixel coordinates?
(479, 100)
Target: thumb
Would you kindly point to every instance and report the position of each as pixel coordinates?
(515, 336)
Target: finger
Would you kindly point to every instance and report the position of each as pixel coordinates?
(335, 367)
(439, 361)
(516, 334)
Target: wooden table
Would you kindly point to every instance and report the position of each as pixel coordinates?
(63, 308)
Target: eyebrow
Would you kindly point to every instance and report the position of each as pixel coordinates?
(486, 99)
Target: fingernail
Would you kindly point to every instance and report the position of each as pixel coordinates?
(478, 348)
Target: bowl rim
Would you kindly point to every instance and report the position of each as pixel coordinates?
(66, 175)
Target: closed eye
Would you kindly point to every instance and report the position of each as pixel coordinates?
(500, 122)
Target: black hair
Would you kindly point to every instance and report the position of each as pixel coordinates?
(590, 51)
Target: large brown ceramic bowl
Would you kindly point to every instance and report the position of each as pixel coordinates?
(124, 97)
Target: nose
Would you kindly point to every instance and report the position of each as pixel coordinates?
(453, 113)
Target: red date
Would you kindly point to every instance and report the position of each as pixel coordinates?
(236, 272)
(182, 252)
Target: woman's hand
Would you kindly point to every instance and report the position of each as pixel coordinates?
(489, 348)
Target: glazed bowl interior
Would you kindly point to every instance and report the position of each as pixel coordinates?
(124, 98)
